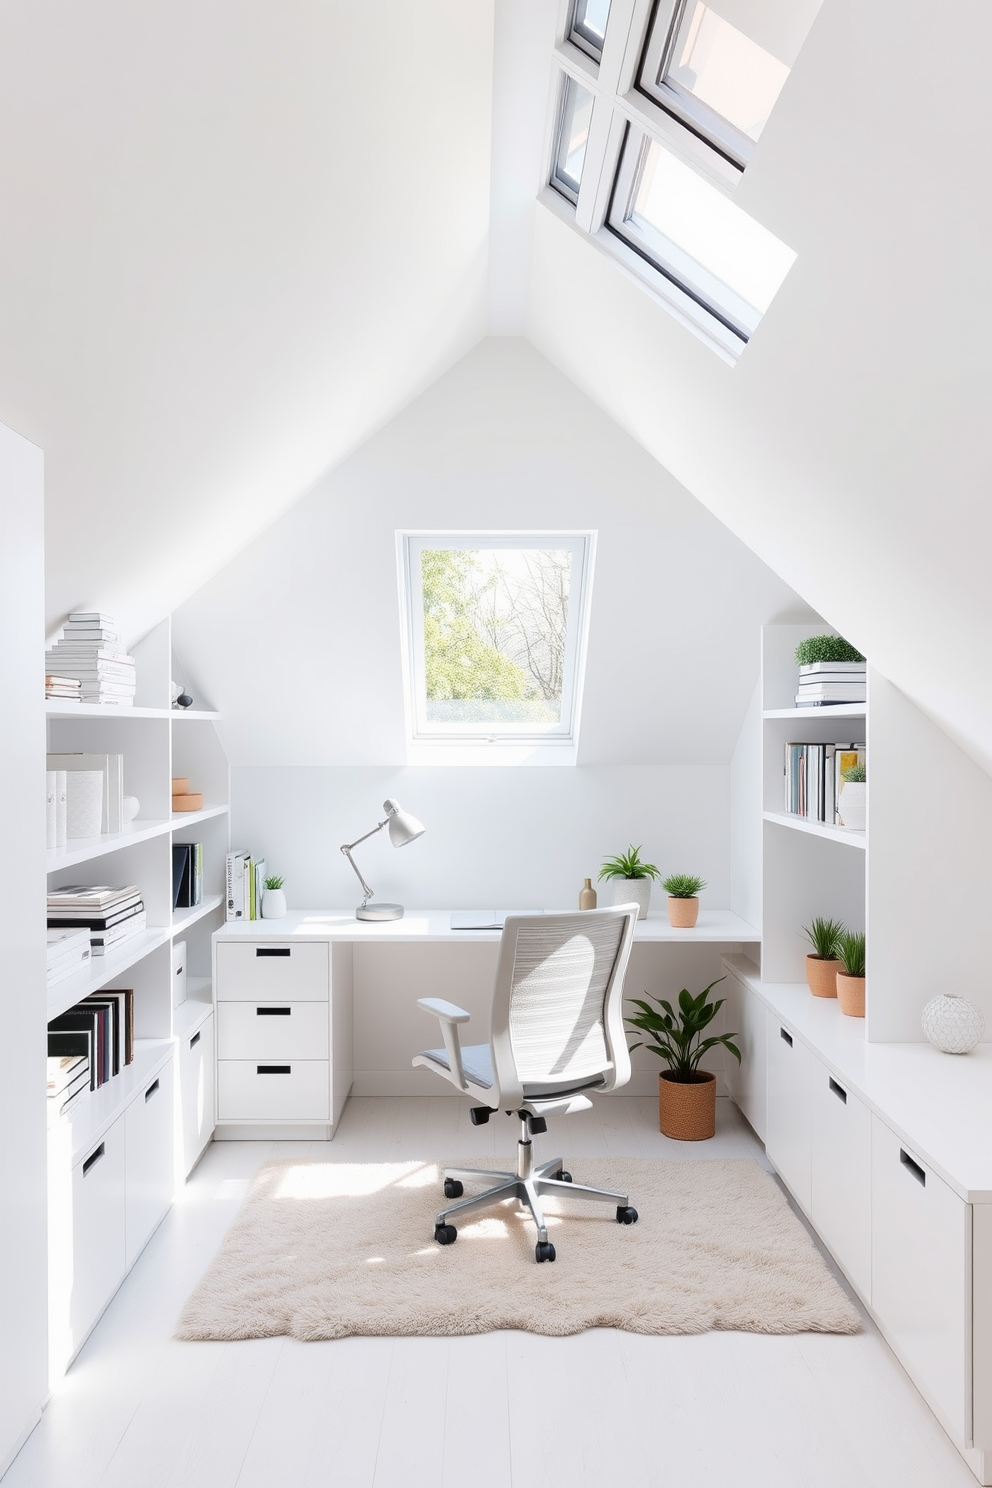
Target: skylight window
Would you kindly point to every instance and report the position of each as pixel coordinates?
(587, 25)
(495, 635)
(575, 116)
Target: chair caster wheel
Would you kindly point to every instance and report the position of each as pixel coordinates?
(453, 1189)
(626, 1215)
(562, 1176)
(544, 1251)
(445, 1234)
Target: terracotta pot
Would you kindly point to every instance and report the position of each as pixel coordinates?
(851, 994)
(687, 1109)
(682, 913)
(821, 975)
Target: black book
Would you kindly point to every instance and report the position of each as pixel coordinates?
(182, 875)
(67, 1035)
(113, 1050)
(57, 921)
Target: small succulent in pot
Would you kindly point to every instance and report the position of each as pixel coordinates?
(823, 961)
(683, 903)
(631, 879)
(851, 973)
(853, 800)
(273, 900)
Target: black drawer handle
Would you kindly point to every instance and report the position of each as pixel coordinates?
(273, 950)
(94, 1157)
(784, 1034)
(151, 1090)
(282, 1012)
(194, 1041)
(838, 1090)
(180, 970)
(912, 1167)
(273, 1069)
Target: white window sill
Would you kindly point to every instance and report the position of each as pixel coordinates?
(484, 754)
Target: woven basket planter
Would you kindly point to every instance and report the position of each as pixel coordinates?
(687, 1110)
(682, 913)
(821, 975)
(851, 994)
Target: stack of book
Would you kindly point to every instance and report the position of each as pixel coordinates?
(69, 951)
(91, 652)
(62, 687)
(99, 1029)
(112, 916)
(68, 1082)
(823, 683)
(814, 775)
(245, 881)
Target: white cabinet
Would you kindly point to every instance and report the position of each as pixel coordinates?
(841, 1174)
(149, 1161)
(196, 1086)
(747, 1081)
(788, 1121)
(273, 972)
(272, 1030)
(97, 1218)
(273, 1090)
(921, 1277)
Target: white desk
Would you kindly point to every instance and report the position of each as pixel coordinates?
(369, 974)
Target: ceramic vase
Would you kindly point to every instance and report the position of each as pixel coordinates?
(953, 1024)
(273, 904)
(633, 891)
(682, 913)
(853, 804)
(587, 895)
(687, 1109)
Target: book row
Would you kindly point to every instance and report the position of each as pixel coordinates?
(245, 882)
(84, 796)
(88, 1045)
(109, 915)
(814, 779)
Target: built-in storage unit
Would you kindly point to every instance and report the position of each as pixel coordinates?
(114, 1162)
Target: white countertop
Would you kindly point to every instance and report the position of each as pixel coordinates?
(940, 1105)
(423, 926)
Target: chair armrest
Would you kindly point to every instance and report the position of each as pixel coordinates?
(446, 1011)
(450, 1016)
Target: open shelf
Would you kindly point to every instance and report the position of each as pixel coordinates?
(833, 710)
(818, 829)
(103, 969)
(183, 918)
(62, 708)
(183, 818)
(91, 1116)
(85, 848)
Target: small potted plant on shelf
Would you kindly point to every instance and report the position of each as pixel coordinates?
(851, 974)
(823, 962)
(831, 671)
(273, 899)
(853, 802)
(683, 905)
(686, 1094)
(630, 879)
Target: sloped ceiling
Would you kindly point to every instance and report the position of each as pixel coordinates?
(237, 236)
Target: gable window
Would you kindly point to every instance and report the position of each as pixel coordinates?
(495, 635)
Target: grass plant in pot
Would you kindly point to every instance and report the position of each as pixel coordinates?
(823, 962)
(273, 899)
(853, 802)
(630, 879)
(683, 905)
(851, 974)
(686, 1094)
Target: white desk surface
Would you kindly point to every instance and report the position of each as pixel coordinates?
(426, 926)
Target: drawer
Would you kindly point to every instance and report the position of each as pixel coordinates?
(98, 1262)
(196, 1086)
(149, 1160)
(841, 1186)
(276, 1090)
(787, 1115)
(266, 970)
(272, 1030)
(921, 1271)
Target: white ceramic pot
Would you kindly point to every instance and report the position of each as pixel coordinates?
(953, 1024)
(632, 891)
(131, 808)
(273, 904)
(853, 804)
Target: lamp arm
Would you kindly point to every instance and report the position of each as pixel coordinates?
(346, 849)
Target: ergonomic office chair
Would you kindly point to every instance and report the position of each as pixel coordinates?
(556, 1035)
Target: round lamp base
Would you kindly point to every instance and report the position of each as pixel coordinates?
(379, 912)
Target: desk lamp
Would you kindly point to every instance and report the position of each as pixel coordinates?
(403, 828)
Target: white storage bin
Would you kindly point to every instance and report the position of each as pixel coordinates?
(150, 1162)
(196, 1090)
(98, 1250)
(273, 1090)
(841, 1175)
(268, 971)
(787, 1133)
(266, 1030)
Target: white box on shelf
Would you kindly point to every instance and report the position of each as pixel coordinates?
(178, 972)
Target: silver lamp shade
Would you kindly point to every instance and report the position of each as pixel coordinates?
(402, 827)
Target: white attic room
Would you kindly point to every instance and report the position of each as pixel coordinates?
(283, 291)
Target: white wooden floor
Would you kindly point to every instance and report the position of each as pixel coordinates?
(504, 1410)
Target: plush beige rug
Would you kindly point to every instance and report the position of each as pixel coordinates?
(324, 1250)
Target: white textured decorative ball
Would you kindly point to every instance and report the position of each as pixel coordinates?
(953, 1024)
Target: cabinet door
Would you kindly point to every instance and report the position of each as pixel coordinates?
(98, 1249)
(269, 972)
(747, 1081)
(272, 1030)
(150, 1161)
(921, 1265)
(196, 1087)
(841, 1175)
(787, 1132)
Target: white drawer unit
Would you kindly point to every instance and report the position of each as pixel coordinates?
(196, 1085)
(921, 1277)
(149, 1123)
(273, 1090)
(841, 1174)
(98, 1251)
(272, 1030)
(787, 1132)
(747, 1081)
(270, 971)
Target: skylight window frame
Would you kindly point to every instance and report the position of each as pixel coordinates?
(582, 36)
(422, 732)
(558, 180)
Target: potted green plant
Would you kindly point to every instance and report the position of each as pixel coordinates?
(823, 648)
(853, 803)
(831, 671)
(273, 900)
(683, 905)
(851, 974)
(686, 1094)
(630, 879)
(823, 962)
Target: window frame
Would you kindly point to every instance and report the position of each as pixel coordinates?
(585, 40)
(558, 181)
(424, 732)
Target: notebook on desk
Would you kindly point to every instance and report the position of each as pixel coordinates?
(485, 919)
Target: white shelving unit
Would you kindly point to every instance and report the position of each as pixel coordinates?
(113, 1212)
